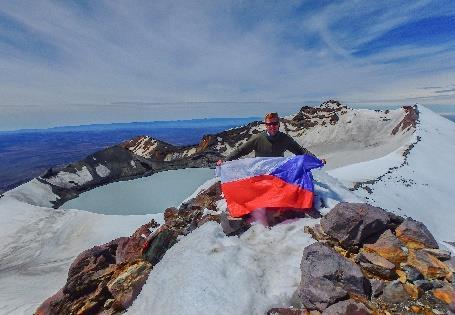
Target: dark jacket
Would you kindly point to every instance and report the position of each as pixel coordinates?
(267, 146)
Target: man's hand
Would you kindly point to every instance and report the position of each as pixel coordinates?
(219, 162)
(324, 161)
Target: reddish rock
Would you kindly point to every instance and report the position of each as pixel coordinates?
(415, 235)
(389, 247)
(129, 249)
(376, 265)
(445, 294)
(428, 265)
(126, 284)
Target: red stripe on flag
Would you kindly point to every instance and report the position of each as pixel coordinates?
(264, 191)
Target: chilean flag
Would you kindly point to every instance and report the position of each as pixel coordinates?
(277, 182)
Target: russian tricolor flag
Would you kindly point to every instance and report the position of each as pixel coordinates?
(277, 182)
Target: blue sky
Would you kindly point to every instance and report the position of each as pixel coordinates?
(77, 62)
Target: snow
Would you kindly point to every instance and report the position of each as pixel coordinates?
(38, 244)
(34, 192)
(68, 180)
(216, 274)
(144, 147)
(102, 170)
(207, 272)
(423, 187)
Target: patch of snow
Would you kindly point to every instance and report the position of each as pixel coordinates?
(144, 147)
(102, 170)
(69, 180)
(33, 192)
(210, 273)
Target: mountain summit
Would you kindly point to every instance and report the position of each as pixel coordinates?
(399, 160)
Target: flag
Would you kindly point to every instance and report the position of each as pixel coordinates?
(253, 183)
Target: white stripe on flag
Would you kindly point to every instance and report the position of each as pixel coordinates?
(249, 167)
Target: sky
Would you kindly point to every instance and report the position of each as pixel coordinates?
(81, 62)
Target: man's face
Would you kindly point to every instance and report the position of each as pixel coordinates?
(272, 125)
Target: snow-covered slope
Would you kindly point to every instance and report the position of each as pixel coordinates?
(38, 244)
(423, 186)
(207, 270)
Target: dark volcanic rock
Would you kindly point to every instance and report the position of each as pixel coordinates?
(348, 307)
(377, 287)
(394, 292)
(415, 235)
(328, 277)
(353, 223)
(233, 226)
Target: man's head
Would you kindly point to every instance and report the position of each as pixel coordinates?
(272, 123)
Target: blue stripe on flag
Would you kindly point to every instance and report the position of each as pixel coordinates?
(297, 171)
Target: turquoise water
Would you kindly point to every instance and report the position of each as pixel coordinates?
(146, 195)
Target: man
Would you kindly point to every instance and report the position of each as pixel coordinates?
(271, 143)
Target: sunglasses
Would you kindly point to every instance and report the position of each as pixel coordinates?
(275, 123)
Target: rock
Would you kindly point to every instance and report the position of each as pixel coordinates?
(428, 265)
(353, 223)
(412, 274)
(389, 247)
(46, 307)
(426, 285)
(376, 265)
(129, 248)
(233, 226)
(415, 235)
(440, 254)
(328, 277)
(445, 294)
(348, 307)
(394, 292)
(377, 287)
(412, 290)
(163, 239)
(126, 284)
(288, 311)
(401, 276)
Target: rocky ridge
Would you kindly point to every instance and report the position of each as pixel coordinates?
(373, 262)
(144, 155)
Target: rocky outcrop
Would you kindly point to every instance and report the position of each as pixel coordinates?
(144, 155)
(328, 277)
(405, 269)
(352, 224)
(415, 235)
(107, 278)
(409, 120)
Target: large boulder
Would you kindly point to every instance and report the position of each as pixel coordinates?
(415, 235)
(328, 277)
(353, 223)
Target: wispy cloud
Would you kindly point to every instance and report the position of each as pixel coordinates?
(57, 53)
